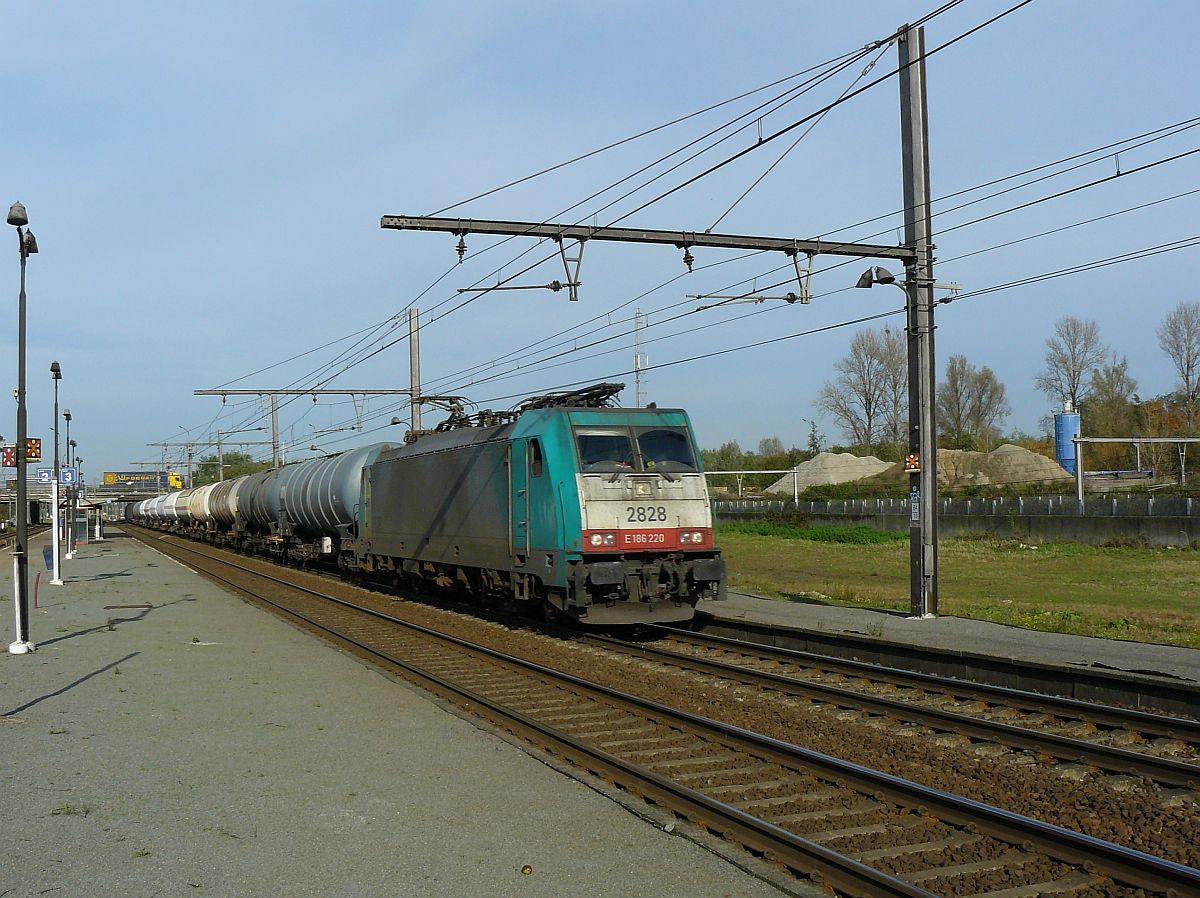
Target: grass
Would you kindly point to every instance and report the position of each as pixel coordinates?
(1141, 594)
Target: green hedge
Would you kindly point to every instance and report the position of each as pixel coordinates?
(855, 533)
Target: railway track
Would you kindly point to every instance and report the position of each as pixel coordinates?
(853, 830)
(1114, 740)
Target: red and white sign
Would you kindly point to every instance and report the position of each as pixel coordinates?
(8, 457)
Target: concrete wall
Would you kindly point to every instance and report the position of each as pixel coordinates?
(1160, 522)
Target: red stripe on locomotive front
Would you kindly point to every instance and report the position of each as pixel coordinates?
(650, 538)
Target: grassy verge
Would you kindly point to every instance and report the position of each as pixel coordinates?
(1148, 595)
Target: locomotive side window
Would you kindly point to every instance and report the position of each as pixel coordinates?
(604, 450)
(536, 466)
(666, 448)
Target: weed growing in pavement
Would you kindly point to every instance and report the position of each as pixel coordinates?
(69, 810)
(58, 732)
(141, 852)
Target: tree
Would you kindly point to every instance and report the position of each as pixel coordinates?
(858, 398)
(729, 457)
(971, 404)
(952, 401)
(1072, 354)
(1179, 337)
(989, 406)
(894, 354)
(236, 464)
(816, 441)
(771, 446)
(1111, 410)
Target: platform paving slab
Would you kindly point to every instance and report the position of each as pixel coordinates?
(205, 747)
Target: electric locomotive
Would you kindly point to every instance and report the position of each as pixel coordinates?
(600, 513)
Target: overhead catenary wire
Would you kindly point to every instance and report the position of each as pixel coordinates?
(782, 99)
(366, 354)
(1007, 243)
(1165, 131)
(929, 16)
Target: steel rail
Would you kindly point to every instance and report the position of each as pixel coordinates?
(1118, 760)
(818, 863)
(1104, 715)
(1125, 865)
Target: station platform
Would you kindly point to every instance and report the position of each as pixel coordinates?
(1159, 676)
(200, 746)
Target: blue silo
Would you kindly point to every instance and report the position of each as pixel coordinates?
(1066, 428)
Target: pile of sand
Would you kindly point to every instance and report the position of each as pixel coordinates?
(829, 467)
(1005, 464)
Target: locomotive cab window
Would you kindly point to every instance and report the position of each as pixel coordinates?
(666, 449)
(604, 450)
(536, 465)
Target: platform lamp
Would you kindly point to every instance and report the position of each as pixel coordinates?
(67, 525)
(78, 488)
(71, 498)
(56, 579)
(26, 246)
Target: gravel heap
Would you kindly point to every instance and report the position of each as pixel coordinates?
(1005, 464)
(829, 467)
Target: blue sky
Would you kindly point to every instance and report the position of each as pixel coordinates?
(206, 183)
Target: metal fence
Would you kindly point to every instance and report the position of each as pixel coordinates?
(1093, 506)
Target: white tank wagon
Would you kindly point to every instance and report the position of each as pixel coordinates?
(199, 505)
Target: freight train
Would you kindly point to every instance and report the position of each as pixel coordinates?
(566, 506)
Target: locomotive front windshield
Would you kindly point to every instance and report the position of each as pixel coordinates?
(616, 449)
(666, 447)
(609, 449)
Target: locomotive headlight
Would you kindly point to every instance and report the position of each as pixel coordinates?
(602, 538)
(597, 539)
(610, 539)
(692, 536)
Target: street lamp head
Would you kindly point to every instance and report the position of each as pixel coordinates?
(55, 371)
(17, 217)
(67, 413)
(397, 421)
(876, 275)
(29, 243)
(72, 444)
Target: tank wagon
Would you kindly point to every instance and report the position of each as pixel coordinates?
(565, 504)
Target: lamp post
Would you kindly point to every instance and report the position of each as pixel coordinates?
(69, 515)
(27, 246)
(78, 489)
(56, 580)
(920, 462)
(67, 497)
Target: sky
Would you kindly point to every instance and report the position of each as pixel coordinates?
(206, 183)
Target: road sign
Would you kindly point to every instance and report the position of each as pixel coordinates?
(68, 476)
(33, 449)
(8, 457)
(45, 475)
